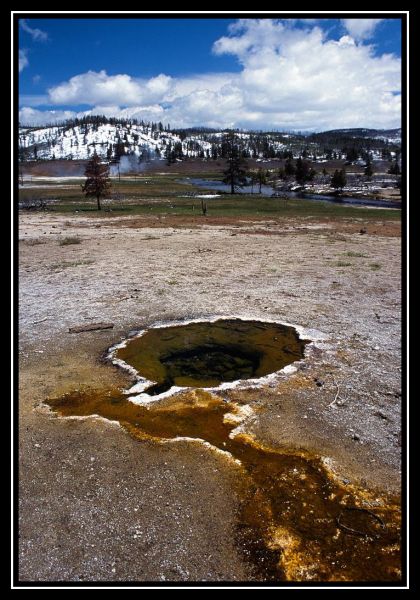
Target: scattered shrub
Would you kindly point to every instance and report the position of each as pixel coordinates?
(67, 241)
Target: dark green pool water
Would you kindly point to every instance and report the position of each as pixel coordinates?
(209, 353)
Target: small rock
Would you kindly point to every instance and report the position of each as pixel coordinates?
(380, 414)
(355, 437)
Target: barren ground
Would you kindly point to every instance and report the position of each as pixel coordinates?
(96, 504)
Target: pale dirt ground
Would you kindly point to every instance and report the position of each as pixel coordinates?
(96, 504)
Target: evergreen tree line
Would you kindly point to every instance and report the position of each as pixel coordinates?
(330, 145)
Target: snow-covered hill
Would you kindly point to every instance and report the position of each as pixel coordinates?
(387, 135)
(81, 141)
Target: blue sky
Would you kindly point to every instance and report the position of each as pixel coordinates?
(268, 73)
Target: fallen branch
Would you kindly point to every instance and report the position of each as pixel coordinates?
(337, 396)
(40, 321)
(91, 327)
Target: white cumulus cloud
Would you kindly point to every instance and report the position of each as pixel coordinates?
(32, 116)
(37, 34)
(23, 60)
(290, 77)
(361, 29)
(93, 87)
(298, 76)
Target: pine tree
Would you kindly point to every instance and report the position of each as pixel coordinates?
(304, 172)
(169, 155)
(351, 154)
(119, 149)
(177, 151)
(394, 169)
(259, 177)
(338, 180)
(97, 182)
(368, 168)
(289, 168)
(235, 173)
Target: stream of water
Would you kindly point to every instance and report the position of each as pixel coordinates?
(268, 191)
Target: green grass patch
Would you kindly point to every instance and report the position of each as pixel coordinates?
(230, 206)
(355, 254)
(162, 195)
(67, 264)
(341, 263)
(68, 241)
(34, 242)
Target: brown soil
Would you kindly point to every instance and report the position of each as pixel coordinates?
(251, 224)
